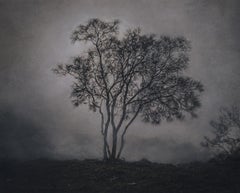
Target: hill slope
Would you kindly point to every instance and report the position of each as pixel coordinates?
(48, 176)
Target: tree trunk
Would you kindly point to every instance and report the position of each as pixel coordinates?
(121, 147)
(114, 145)
(105, 145)
(105, 156)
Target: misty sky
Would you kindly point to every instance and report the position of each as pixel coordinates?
(37, 118)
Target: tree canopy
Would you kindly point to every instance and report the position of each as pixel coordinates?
(122, 76)
(226, 133)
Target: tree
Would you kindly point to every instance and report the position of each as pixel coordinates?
(226, 131)
(123, 76)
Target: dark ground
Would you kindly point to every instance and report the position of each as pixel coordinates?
(48, 176)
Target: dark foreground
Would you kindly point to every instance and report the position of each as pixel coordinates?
(121, 177)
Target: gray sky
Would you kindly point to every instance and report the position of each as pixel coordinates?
(37, 117)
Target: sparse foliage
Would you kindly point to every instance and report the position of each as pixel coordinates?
(226, 131)
(121, 77)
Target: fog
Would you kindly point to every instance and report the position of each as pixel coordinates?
(37, 118)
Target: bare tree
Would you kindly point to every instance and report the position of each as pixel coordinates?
(226, 131)
(123, 76)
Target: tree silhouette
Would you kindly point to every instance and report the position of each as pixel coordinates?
(226, 131)
(123, 76)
